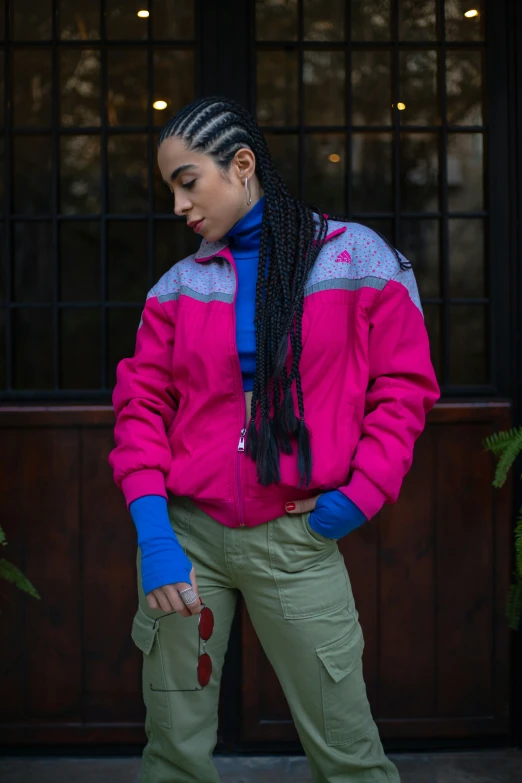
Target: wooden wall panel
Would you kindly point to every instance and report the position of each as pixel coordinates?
(429, 575)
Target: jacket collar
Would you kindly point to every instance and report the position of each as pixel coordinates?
(208, 250)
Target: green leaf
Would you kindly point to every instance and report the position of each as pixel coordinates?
(506, 446)
(514, 605)
(13, 574)
(3, 542)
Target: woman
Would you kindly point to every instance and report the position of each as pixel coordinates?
(269, 409)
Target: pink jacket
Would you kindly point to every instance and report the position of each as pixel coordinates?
(367, 381)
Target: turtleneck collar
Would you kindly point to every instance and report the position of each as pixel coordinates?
(245, 236)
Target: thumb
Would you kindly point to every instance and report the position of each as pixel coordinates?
(300, 506)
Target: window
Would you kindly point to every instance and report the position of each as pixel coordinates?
(86, 224)
(375, 110)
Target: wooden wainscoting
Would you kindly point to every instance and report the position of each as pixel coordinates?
(430, 578)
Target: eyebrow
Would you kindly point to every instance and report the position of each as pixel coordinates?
(175, 174)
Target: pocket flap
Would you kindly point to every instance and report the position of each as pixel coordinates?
(341, 657)
(144, 629)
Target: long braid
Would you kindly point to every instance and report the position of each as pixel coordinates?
(292, 235)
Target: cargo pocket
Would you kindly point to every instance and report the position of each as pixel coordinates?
(145, 635)
(308, 569)
(346, 711)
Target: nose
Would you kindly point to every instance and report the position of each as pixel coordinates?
(181, 204)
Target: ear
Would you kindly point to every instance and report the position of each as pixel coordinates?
(244, 163)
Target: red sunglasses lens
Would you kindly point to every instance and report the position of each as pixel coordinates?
(206, 624)
(204, 669)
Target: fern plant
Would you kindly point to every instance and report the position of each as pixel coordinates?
(506, 446)
(11, 573)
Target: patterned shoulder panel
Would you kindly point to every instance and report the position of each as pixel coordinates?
(212, 281)
(358, 258)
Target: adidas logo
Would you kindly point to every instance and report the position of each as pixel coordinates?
(344, 257)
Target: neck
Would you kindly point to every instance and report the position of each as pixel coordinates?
(244, 237)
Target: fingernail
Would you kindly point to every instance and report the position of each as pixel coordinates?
(290, 506)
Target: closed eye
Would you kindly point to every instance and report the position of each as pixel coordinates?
(189, 185)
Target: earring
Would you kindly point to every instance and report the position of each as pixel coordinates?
(247, 192)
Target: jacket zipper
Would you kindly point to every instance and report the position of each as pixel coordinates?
(241, 444)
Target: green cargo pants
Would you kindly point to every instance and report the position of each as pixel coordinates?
(298, 596)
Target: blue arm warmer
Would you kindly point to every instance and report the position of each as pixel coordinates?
(163, 561)
(335, 515)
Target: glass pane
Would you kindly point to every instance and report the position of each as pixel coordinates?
(80, 175)
(79, 20)
(32, 96)
(80, 333)
(163, 198)
(122, 326)
(325, 171)
(420, 245)
(2, 86)
(79, 261)
(419, 172)
(3, 263)
(33, 348)
(418, 88)
(464, 28)
(127, 89)
(173, 243)
(32, 184)
(324, 88)
(465, 172)
(276, 20)
(324, 21)
(31, 21)
(371, 21)
(127, 260)
(33, 265)
(464, 87)
(432, 319)
(468, 335)
(277, 88)
(173, 20)
(466, 255)
(417, 20)
(383, 227)
(1, 175)
(168, 87)
(80, 87)
(371, 88)
(284, 152)
(371, 176)
(128, 173)
(123, 21)
(3, 372)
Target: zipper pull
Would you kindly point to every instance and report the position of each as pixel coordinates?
(241, 445)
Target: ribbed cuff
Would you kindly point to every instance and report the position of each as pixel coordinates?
(363, 492)
(143, 482)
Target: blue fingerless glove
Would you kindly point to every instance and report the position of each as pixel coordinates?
(335, 515)
(163, 561)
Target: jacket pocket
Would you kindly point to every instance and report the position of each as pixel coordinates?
(146, 637)
(347, 714)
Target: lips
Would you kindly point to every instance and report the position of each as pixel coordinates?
(195, 226)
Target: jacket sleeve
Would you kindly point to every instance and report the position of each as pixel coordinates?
(144, 408)
(402, 389)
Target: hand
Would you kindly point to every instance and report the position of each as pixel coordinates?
(168, 598)
(301, 506)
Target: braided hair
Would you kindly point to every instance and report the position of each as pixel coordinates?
(219, 127)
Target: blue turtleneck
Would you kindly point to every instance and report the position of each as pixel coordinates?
(244, 240)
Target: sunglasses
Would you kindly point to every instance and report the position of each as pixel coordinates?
(204, 666)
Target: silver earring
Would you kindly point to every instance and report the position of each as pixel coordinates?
(247, 192)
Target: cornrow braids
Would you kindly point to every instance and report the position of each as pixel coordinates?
(291, 239)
